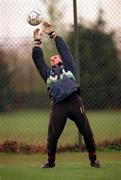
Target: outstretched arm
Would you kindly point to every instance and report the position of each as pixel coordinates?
(65, 54)
(62, 47)
(38, 57)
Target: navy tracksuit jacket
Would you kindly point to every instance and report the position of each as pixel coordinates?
(60, 80)
(64, 94)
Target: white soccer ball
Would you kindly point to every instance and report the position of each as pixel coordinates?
(34, 18)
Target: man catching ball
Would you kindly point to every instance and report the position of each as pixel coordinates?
(64, 93)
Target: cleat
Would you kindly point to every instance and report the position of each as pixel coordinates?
(95, 164)
(48, 165)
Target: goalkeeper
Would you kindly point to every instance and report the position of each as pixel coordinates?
(64, 93)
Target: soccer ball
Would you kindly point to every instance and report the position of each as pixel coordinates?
(34, 18)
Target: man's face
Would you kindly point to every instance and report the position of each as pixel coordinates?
(54, 60)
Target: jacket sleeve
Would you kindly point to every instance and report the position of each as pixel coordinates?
(65, 54)
(38, 58)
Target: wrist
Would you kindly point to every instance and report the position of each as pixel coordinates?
(37, 42)
(52, 34)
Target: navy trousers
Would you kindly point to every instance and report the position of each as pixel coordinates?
(72, 108)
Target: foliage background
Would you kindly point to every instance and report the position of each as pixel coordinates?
(21, 87)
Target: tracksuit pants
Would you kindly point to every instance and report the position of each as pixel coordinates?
(72, 108)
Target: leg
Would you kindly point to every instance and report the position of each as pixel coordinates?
(79, 116)
(85, 129)
(57, 122)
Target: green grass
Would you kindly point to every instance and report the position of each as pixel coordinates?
(31, 126)
(69, 166)
(105, 124)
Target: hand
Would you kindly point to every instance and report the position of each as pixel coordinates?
(47, 28)
(37, 34)
(37, 37)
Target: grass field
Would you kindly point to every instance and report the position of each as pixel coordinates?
(69, 166)
(31, 126)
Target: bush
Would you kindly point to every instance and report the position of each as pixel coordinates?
(114, 144)
(9, 146)
(26, 148)
(13, 146)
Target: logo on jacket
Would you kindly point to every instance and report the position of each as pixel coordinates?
(54, 77)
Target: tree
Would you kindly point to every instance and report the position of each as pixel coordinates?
(54, 12)
(5, 91)
(100, 68)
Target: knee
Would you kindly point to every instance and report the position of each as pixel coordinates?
(53, 139)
